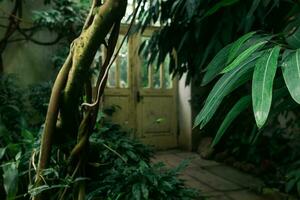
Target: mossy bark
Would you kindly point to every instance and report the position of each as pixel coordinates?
(63, 114)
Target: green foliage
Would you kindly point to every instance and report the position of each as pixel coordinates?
(118, 168)
(11, 102)
(38, 96)
(10, 178)
(203, 27)
(65, 17)
(239, 107)
(291, 74)
(293, 178)
(124, 170)
(242, 57)
(265, 61)
(226, 84)
(262, 84)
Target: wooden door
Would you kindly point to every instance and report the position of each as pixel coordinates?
(145, 99)
(156, 104)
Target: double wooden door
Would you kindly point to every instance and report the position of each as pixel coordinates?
(144, 97)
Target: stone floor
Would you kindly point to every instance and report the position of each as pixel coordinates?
(214, 180)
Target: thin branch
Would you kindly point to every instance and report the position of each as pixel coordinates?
(30, 38)
(13, 15)
(104, 77)
(115, 152)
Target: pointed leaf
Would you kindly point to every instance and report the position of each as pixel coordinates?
(216, 65)
(236, 46)
(239, 107)
(294, 39)
(262, 84)
(243, 56)
(10, 179)
(226, 84)
(2, 152)
(254, 6)
(219, 5)
(291, 74)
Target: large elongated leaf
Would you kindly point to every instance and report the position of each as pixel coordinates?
(226, 84)
(291, 74)
(216, 65)
(243, 56)
(238, 108)
(262, 84)
(236, 46)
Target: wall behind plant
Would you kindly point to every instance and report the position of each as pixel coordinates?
(30, 61)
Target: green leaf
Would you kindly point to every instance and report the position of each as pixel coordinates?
(2, 152)
(290, 185)
(291, 74)
(243, 56)
(236, 46)
(219, 5)
(136, 191)
(262, 84)
(27, 135)
(219, 61)
(239, 107)
(294, 39)
(216, 65)
(145, 191)
(298, 186)
(10, 179)
(254, 6)
(226, 84)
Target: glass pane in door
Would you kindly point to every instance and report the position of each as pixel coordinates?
(123, 64)
(168, 83)
(111, 82)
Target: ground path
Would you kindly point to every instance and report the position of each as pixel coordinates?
(216, 181)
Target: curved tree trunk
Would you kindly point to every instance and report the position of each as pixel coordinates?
(63, 116)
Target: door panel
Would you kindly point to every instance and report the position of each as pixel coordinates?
(146, 97)
(120, 105)
(156, 110)
(156, 116)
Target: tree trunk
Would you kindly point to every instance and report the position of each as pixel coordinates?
(63, 116)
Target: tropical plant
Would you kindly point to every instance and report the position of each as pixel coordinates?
(264, 65)
(123, 170)
(217, 46)
(118, 168)
(254, 57)
(196, 41)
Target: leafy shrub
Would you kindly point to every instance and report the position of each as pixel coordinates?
(11, 102)
(126, 172)
(118, 168)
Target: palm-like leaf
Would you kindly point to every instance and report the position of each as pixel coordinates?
(291, 74)
(226, 84)
(262, 84)
(243, 56)
(236, 46)
(216, 65)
